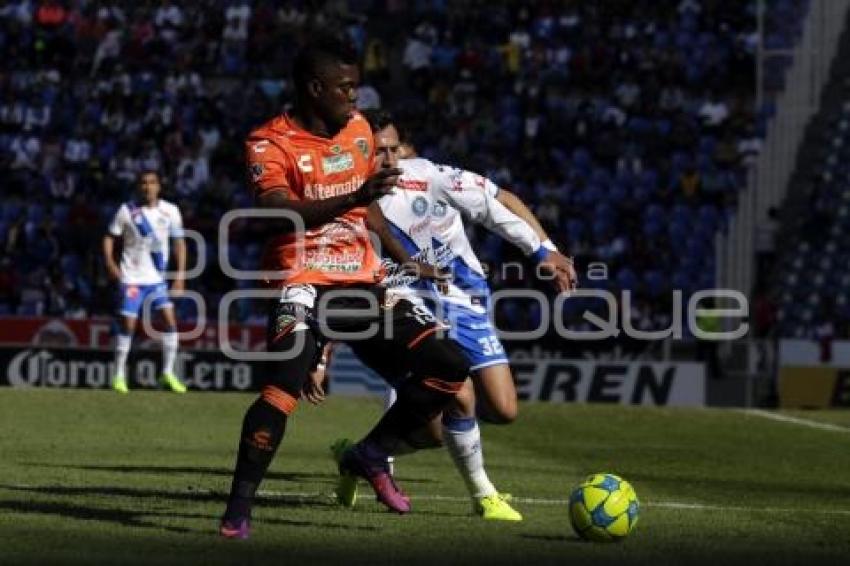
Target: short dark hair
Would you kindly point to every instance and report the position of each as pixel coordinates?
(324, 47)
(378, 118)
(149, 171)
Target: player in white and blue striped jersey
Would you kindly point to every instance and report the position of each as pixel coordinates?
(424, 214)
(145, 227)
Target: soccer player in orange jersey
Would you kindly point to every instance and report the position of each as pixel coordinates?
(316, 164)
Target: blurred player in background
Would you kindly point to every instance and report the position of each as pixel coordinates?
(145, 227)
(317, 164)
(421, 221)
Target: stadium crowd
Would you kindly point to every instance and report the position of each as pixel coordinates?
(627, 124)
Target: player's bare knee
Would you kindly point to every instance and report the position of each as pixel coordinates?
(501, 415)
(506, 416)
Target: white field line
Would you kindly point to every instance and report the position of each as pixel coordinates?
(564, 502)
(327, 496)
(794, 420)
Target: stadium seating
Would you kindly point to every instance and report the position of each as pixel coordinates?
(813, 285)
(620, 121)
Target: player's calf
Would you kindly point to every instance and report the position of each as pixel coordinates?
(262, 431)
(438, 376)
(495, 397)
(265, 421)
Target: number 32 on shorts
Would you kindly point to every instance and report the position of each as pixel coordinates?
(490, 346)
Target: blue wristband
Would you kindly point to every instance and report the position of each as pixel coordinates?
(541, 254)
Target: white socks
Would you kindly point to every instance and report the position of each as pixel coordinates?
(390, 396)
(170, 342)
(122, 350)
(462, 438)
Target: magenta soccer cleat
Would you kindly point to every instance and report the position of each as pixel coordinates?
(353, 462)
(239, 529)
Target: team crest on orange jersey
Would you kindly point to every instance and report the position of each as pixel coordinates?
(363, 145)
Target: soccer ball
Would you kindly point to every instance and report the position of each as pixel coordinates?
(604, 508)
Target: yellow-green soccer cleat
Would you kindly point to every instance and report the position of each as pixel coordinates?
(495, 508)
(346, 487)
(119, 384)
(172, 382)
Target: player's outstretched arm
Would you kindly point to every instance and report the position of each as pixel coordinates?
(560, 266)
(522, 234)
(109, 257)
(474, 196)
(317, 212)
(515, 205)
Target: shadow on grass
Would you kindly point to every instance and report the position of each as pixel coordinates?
(566, 539)
(446, 514)
(204, 471)
(284, 500)
(140, 519)
(295, 477)
(277, 521)
(76, 511)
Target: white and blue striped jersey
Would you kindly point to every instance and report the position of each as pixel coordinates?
(426, 211)
(145, 232)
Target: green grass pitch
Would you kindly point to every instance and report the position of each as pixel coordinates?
(96, 478)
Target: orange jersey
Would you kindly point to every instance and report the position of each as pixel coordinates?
(282, 156)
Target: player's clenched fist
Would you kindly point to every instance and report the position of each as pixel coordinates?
(314, 387)
(562, 269)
